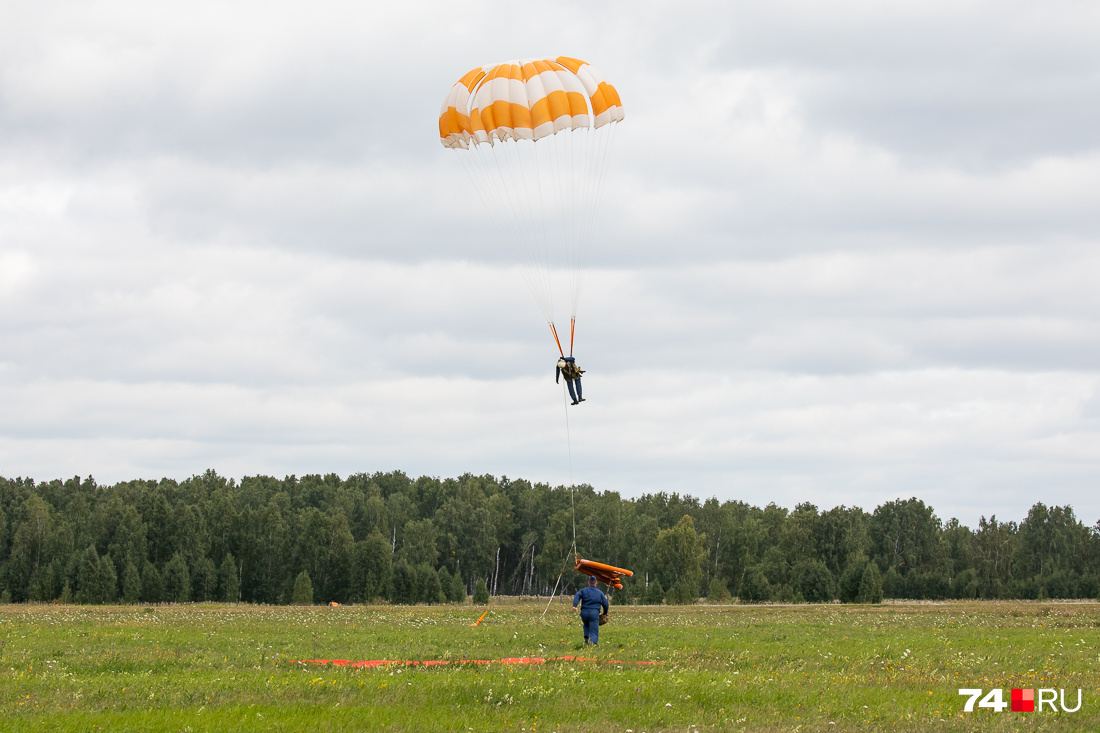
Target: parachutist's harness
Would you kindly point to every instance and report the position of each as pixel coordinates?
(569, 370)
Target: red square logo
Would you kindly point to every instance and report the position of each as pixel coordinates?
(1023, 701)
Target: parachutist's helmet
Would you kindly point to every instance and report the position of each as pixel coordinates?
(592, 579)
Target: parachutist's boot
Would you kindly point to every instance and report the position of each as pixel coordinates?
(573, 402)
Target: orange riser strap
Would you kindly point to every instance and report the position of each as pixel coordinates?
(554, 331)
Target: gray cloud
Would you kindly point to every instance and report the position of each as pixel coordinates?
(979, 85)
(848, 252)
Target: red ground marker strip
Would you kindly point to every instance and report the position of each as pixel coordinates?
(436, 662)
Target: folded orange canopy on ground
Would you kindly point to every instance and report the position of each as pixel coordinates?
(609, 574)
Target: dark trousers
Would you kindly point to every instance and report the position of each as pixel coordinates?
(591, 624)
(569, 383)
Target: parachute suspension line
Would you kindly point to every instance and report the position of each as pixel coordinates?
(520, 187)
(559, 180)
(505, 219)
(478, 172)
(580, 174)
(501, 172)
(539, 237)
(572, 502)
(561, 574)
(597, 155)
(606, 146)
(567, 192)
(569, 451)
(580, 210)
(572, 330)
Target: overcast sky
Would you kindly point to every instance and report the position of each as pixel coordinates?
(851, 250)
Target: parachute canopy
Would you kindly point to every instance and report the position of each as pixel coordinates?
(526, 100)
(534, 136)
(608, 574)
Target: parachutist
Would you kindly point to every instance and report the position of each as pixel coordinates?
(567, 367)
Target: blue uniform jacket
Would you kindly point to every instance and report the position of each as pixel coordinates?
(588, 598)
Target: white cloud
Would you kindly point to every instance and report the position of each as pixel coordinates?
(850, 251)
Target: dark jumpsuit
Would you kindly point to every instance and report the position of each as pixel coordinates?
(591, 599)
(572, 376)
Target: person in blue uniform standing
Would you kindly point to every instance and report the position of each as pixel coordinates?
(589, 601)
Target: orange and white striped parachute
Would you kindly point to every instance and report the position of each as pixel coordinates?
(526, 100)
(535, 136)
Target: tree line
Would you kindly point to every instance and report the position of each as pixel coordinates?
(388, 537)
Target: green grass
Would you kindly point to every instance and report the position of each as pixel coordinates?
(219, 668)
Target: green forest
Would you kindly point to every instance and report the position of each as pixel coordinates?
(385, 537)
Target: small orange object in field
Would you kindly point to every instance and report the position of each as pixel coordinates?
(334, 604)
(475, 623)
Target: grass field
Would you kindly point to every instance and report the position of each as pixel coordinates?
(829, 668)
